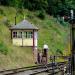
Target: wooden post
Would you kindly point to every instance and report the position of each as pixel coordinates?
(22, 38)
(34, 50)
(33, 41)
(52, 67)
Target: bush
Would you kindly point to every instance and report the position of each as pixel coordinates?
(41, 14)
(1, 12)
(6, 22)
(58, 51)
(3, 48)
(30, 16)
(19, 11)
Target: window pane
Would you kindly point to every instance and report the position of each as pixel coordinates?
(24, 34)
(19, 34)
(29, 35)
(14, 34)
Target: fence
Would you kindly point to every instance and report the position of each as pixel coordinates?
(63, 69)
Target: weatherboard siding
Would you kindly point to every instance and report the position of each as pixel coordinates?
(22, 42)
(28, 42)
(17, 41)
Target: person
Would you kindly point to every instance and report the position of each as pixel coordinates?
(38, 58)
(45, 46)
(45, 52)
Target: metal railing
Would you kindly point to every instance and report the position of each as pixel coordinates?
(64, 69)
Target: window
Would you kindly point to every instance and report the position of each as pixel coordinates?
(29, 34)
(19, 35)
(14, 34)
(24, 34)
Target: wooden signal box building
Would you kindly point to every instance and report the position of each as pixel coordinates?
(24, 34)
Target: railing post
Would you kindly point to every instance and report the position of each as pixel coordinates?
(54, 59)
(62, 71)
(65, 70)
(52, 66)
(69, 65)
(51, 59)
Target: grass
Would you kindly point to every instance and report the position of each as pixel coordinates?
(50, 32)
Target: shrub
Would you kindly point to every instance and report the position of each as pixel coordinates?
(58, 51)
(19, 11)
(3, 48)
(1, 12)
(30, 16)
(6, 22)
(41, 14)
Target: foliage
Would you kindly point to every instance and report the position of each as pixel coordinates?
(3, 48)
(1, 12)
(49, 26)
(53, 7)
(50, 31)
(59, 52)
(35, 4)
(6, 22)
(41, 14)
(58, 7)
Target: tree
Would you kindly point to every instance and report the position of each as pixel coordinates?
(35, 4)
(59, 7)
(4, 2)
(52, 7)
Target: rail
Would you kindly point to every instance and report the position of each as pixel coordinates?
(50, 68)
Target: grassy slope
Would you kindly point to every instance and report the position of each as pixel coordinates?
(50, 32)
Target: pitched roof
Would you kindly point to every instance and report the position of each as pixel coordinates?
(24, 25)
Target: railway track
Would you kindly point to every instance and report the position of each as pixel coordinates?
(33, 70)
